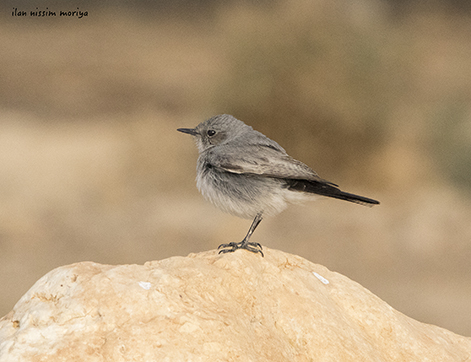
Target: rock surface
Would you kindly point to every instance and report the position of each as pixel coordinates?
(209, 307)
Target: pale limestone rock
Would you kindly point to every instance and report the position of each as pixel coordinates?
(209, 307)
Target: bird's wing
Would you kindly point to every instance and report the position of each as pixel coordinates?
(261, 159)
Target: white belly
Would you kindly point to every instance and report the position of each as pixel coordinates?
(246, 196)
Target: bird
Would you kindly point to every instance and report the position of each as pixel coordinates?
(245, 173)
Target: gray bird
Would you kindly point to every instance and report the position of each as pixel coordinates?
(244, 173)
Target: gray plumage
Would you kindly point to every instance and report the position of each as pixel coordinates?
(243, 172)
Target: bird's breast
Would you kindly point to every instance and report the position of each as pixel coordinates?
(242, 195)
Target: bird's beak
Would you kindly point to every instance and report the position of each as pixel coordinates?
(191, 131)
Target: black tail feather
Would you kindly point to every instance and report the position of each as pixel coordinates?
(327, 189)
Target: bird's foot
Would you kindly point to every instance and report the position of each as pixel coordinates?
(231, 247)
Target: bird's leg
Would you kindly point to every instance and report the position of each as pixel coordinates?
(244, 244)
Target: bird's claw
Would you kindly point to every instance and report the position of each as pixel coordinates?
(231, 247)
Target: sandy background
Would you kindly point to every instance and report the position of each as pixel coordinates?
(374, 95)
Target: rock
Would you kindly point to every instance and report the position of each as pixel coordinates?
(209, 307)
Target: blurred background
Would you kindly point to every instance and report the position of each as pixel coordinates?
(375, 95)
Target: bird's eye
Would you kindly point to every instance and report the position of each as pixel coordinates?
(211, 132)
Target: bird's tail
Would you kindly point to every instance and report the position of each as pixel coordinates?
(325, 188)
